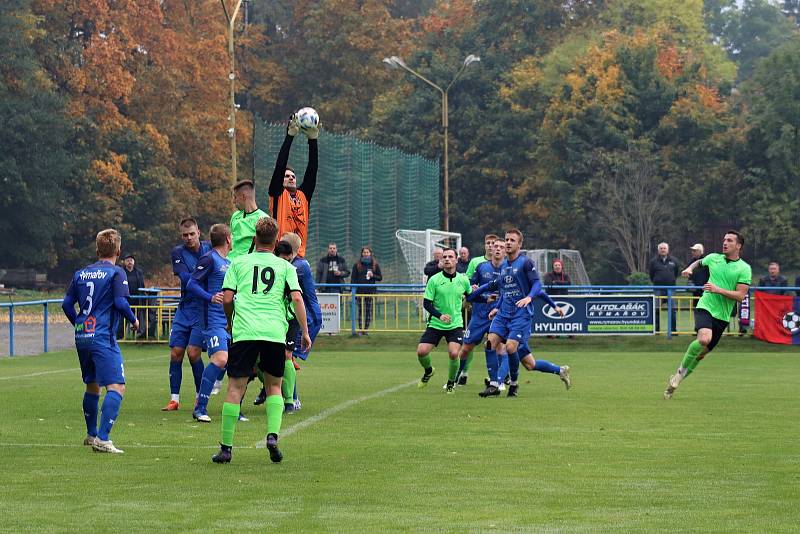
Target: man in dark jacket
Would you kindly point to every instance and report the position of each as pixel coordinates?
(700, 275)
(135, 283)
(332, 269)
(463, 260)
(774, 278)
(435, 265)
(664, 270)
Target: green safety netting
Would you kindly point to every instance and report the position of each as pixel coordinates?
(364, 193)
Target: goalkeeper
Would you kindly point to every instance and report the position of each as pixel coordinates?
(289, 204)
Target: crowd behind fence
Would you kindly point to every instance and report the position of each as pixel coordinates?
(394, 308)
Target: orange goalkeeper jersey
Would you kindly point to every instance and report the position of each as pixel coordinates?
(291, 211)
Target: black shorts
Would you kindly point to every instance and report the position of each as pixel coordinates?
(703, 319)
(291, 334)
(434, 335)
(243, 355)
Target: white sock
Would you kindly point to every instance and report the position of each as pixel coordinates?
(176, 398)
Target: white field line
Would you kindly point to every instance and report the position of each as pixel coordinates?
(324, 414)
(165, 356)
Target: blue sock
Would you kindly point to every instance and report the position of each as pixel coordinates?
(492, 364)
(90, 402)
(206, 385)
(503, 371)
(109, 413)
(295, 397)
(197, 371)
(513, 365)
(175, 377)
(221, 374)
(543, 366)
(461, 365)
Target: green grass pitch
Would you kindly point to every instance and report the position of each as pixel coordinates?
(368, 454)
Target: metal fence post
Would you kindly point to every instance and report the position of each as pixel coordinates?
(670, 305)
(353, 317)
(45, 326)
(11, 330)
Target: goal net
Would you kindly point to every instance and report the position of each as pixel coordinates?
(573, 263)
(417, 247)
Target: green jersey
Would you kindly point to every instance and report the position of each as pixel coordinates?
(261, 281)
(473, 265)
(446, 293)
(243, 229)
(725, 274)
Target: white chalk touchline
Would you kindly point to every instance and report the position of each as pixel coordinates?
(324, 414)
(126, 446)
(165, 356)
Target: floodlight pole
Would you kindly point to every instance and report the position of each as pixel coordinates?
(395, 62)
(232, 78)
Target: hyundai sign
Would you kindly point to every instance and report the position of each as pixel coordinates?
(595, 315)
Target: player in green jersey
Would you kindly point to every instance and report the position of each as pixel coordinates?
(729, 279)
(259, 281)
(443, 301)
(488, 243)
(243, 221)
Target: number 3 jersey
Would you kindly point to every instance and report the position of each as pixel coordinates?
(261, 282)
(94, 288)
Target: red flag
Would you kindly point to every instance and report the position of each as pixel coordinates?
(777, 318)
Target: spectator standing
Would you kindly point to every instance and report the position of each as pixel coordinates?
(797, 284)
(135, 278)
(463, 260)
(664, 270)
(556, 279)
(332, 269)
(435, 265)
(700, 275)
(366, 271)
(774, 278)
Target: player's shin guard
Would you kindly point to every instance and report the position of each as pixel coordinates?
(206, 385)
(175, 377)
(689, 361)
(492, 364)
(274, 414)
(425, 362)
(230, 415)
(289, 379)
(197, 372)
(90, 408)
(513, 366)
(109, 414)
(543, 366)
(452, 370)
(502, 370)
(468, 361)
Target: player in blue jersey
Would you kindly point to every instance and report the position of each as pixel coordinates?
(518, 284)
(206, 284)
(480, 320)
(101, 292)
(186, 335)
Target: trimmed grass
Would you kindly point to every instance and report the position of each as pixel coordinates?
(610, 454)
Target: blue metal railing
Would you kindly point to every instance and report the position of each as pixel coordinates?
(663, 292)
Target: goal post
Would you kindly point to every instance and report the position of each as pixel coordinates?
(418, 245)
(572, 260)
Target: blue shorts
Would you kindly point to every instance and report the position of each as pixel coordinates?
(102, 365)
(476, 329)
(185, 330)
(216, 339)
(313, 330)
(517, 328)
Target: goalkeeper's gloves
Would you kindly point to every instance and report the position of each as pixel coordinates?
(311, 133)
(293, 128)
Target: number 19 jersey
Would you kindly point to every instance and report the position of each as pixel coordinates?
(261, 281)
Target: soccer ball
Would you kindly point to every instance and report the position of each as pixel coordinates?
(791, 322)
(307, 118)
